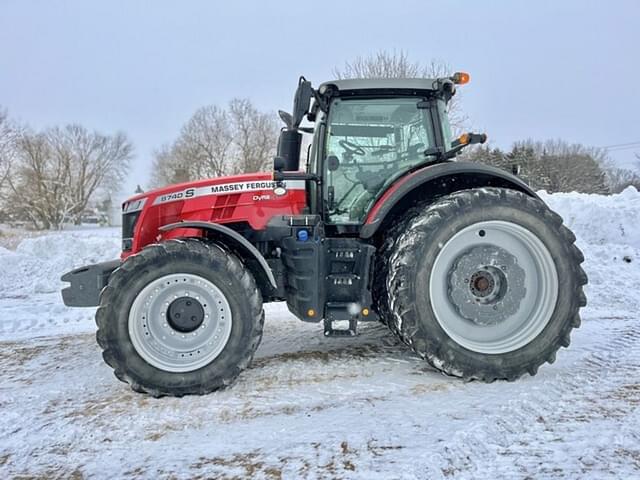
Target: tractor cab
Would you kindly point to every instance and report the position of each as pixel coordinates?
(367, 134)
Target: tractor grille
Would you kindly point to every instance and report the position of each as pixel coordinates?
(128, 225)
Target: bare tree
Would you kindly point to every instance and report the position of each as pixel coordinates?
(397, 64)
(167, 167)
(255, 136)
(8, 134)
(216, 141)
(205, 142)
(382, 64)
(569, 167)
(620, 178)
(58, 171)
(37, 183)
(203, 149)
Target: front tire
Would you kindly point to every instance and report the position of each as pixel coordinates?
(485, 284)
(182, 317)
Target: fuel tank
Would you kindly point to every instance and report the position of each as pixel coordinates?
(252, 198)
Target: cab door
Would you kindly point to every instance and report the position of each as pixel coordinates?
(368, 144)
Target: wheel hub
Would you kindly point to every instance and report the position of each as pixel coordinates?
(482, 284)
(486, 284)
(185, 314)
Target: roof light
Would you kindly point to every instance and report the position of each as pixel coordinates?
(460, 78)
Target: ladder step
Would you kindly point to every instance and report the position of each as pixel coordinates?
(344, 253)
(343, 278)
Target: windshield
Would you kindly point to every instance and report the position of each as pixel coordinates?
(369, 143)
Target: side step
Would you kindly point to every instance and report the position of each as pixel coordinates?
(339, 322)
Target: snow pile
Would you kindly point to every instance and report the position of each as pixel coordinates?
(599, 219)
(607, 229)
(38, 263)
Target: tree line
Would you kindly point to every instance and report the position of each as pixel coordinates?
(558, 166)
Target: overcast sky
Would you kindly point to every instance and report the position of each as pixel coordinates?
(543, 69)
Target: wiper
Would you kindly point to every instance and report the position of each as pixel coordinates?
(433, 152)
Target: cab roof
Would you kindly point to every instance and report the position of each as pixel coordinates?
(430, 84)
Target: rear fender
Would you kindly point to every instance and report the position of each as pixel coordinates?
(431, 182)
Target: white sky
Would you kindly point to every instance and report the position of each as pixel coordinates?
(544, 69)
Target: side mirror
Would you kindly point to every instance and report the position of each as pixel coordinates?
(332, 163)
(469, 139)
(278, 164)
(301, 101)
(463, 141)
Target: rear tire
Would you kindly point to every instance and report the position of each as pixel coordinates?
(392, 234)
(485, 284)
(182, 317)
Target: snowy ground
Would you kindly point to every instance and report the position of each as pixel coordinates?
(312, 407)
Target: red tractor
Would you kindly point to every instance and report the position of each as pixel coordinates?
(462, 261)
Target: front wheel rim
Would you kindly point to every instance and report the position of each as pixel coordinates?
(493, 287)
(174, 347)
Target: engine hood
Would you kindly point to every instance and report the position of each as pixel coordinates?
(251, 200)
(176, 188)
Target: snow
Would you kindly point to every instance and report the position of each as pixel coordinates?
(30, 302)
(608, 233)
(598, 219)
(311, 407)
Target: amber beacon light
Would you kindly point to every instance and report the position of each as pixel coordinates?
(460, 78)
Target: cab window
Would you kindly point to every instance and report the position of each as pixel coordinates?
(369, 143)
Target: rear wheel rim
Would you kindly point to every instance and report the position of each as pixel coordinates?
(493, 287)
(164, 344)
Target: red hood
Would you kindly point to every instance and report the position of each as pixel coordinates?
(176, 187)
(251, 200)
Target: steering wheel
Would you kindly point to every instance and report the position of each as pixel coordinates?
(351, 148)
